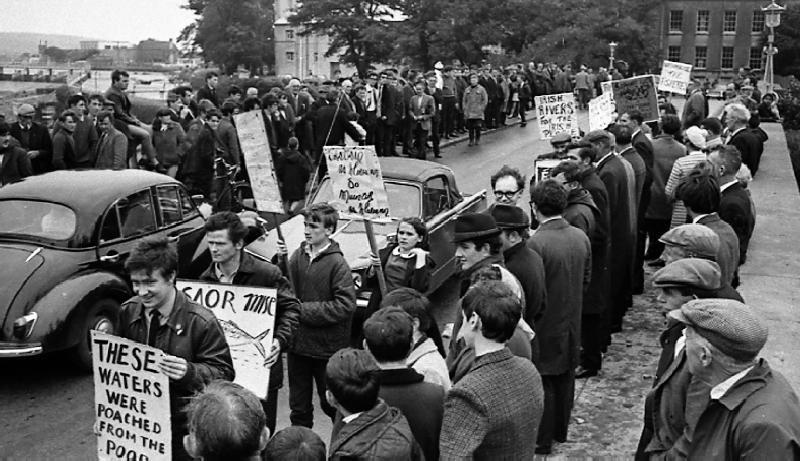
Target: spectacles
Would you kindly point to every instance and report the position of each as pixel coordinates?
(505, 193)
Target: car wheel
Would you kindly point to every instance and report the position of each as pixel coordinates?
(101, 316)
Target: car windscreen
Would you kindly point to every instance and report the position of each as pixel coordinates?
(403, 198)
(40, 220)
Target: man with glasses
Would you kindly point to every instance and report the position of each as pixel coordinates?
(34, 138)
(508, 184)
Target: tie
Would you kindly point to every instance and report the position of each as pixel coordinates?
(152, 332)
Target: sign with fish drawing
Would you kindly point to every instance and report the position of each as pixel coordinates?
(247, 317)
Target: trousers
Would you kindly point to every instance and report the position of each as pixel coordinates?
(559, 394)
(304, 373)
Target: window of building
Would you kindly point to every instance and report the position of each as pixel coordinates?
(755, 57)
(290, 55)
(289, 34)
(316, 56)
(729, 21)
(758, 21)
(674, 53)
(727, 57)
(700, 57)
(702, 20)
(675, 20)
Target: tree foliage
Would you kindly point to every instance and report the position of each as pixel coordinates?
(787, 40)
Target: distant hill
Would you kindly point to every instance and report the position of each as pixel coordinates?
(14, 43)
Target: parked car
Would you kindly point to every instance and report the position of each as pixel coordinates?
(419, 188)
(64, 237)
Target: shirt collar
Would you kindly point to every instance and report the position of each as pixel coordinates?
(350, 418)
(699, 217)
(719, 391)
(221, 275)
(551, 218)
(734, 133)
(396, 252)
(311, 255)
(727, 185)
(605, 157)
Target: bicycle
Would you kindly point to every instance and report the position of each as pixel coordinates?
(234, 194)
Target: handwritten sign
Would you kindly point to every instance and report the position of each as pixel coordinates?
(675, 77)
(636, 93)
(258, 158)
(131, 397)
(357, 181)
(542, 168)
(601, 112)
(247, 317)
(556, 114)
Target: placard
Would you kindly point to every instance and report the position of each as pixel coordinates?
(131, 398)
(675, 77)
(556, 114)
(636, 93)
(601, 112)
(542, 168)
(257, 156)
(357, 181)
(247, 317)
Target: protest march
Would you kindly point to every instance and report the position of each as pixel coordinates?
(360, 268)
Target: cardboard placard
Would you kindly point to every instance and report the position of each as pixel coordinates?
(542, 168)
(557, 113)
(258, 158)
(357, 181)
(636, 93)
(247, 317)
(131, 398)
(675, 77)
(601, 112)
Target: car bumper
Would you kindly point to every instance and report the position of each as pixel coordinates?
(14, 349)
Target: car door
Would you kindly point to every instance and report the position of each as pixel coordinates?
(437, 199)
(180, 220)
(127, 221)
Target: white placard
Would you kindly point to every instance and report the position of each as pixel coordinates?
(357, 181)
(258, 158)
(556, 114)
(601, 112)
(675, 77)
(542, 168)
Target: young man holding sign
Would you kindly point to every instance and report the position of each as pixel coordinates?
(195, 348)
(225, 233)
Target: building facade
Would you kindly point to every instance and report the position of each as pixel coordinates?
(717, 37)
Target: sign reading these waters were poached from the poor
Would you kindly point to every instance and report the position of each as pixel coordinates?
(131, 398)
(357, 181)
(256, 153)
(556, 114)
(247, 317)
(675, 77)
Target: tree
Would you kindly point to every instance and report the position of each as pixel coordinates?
(55, 53)
(359, 31)
(787, 40)
(232, 33)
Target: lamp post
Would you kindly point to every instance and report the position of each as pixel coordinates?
(611, 47)
(772, 19)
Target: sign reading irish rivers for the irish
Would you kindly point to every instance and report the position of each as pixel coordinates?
(131, 397)
(358, 189)
(247, 317)
(556, 114)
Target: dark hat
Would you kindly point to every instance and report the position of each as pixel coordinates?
(730, 326)
(509, 216)
(695, 238)
(596, 135)
(474, 225)
(560, 138)
(690, 272)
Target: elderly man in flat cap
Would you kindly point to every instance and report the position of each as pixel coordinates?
(559, 142)
(752, 411)
(34, 138)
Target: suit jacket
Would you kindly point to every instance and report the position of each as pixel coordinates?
(694, 111)
(112, 151)
(735, 208)
(596, 297)
(528, 268)
(612, 172)
(328, 119)
(38, 139)
(229, 140)
(749, 145)
(494, 412)
(728, 253)
(644, 147)
(391, 104)
(423, 108)
(566, 253)
(208, 93)
(122, 105)
(15, 165)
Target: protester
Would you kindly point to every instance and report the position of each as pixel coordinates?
(112, 148)
(295, 443)
(84, 135)
(494, 411)
(225, 422)
(388, 336)
(16, 164)
(508, 185)
(366, 428)
(559, 142)
(169, 141)
(195, 354)
(137, 131)
(34, 138)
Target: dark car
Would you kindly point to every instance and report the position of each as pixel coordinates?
(64, 237)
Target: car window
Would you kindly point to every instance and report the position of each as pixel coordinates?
(110, 229)
(136, 214)
(188, 210)
(170, 205)
(403, 198)
(436, 196)
(37, 219)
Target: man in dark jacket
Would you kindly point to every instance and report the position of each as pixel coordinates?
(389, 114)
(136, 130)
(566, 253)
(225, 234)
(209, 90)
(735, 206)
(495, 410)
(366, 428)
(751, 410)
(695, 109)
(388, 337)
(34, 138)
(331, 123)
(14, 163)
(739, 136)
(196, 351)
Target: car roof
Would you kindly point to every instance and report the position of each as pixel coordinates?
(412, 169)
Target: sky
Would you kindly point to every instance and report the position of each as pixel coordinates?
(123, 20)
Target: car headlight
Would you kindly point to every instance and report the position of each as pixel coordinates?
(23, 326)
(357, 280)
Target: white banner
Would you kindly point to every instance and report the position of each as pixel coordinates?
(131, 397)
(675, 77)
(357, 181)
(601, 112)
(541, 168)
(258, 158)
(556, 114)
(636, 93)
(247, 317)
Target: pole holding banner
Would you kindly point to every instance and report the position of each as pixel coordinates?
(373, 244)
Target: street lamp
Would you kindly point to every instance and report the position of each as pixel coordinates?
(611, 47)
(772, 19)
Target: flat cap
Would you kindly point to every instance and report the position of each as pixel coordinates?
(25, 109)
(596, 135)
(560, 138)
(509, 216)
(474, 225)
(730, 326)
(697, 239)
(689, 272)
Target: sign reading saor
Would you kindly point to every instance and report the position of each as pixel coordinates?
(358, 189)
